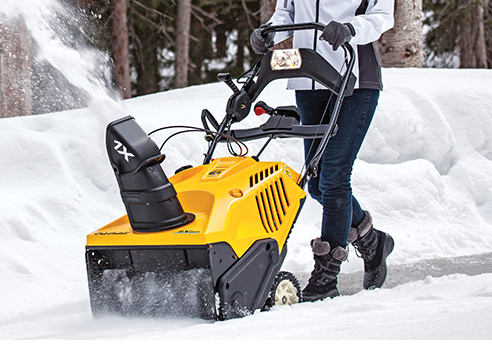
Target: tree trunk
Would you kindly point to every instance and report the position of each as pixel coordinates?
(267, 8)
(120, 55)
(182, 40)
(488, 32)
(15, 69)
(471, 41)
(402, 46)
(481, 46)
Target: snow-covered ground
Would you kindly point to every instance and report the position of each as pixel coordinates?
(425, 173)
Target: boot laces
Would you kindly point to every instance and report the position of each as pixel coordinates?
(367, 247)
(317, 272)
(360, 250)
(318, 275)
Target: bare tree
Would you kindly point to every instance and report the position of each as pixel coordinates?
(488, 31)
(15, 69)
(460, 28)
(471, 39)
(402, 46)
(120, 54)
(182, 41)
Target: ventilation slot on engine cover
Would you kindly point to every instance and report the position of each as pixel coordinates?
(272, 204)
(262, 175)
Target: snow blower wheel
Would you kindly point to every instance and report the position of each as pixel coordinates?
(286, 290)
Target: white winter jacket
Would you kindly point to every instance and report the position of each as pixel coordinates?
(369, 19)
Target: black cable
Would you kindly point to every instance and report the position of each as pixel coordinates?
(242, 146)
(229, 145)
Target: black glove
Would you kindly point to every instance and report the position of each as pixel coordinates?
(259, 43)
(337, 34)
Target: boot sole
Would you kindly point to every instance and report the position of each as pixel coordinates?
(312, 298)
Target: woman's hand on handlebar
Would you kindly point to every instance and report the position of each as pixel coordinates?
(337, 34)
(260, 42)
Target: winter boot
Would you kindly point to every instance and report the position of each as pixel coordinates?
(374, 246)
(323, 281)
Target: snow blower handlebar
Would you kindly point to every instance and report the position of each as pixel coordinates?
(314, 67)
(346, 86)
(280, 124)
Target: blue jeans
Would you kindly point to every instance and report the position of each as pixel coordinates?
(332, 187)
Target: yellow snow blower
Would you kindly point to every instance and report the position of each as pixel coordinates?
(209, 241)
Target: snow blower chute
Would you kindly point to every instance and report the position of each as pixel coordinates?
(209, 241)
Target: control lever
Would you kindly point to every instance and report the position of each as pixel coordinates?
(226, 78)
(262, 108)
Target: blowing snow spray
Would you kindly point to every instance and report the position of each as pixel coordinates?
(59, 68)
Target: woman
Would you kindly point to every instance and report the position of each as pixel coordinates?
(360, 23)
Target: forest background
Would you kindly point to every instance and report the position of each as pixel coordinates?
(157, 45)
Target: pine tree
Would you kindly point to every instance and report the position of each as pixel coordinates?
(461, 28)
(151, 39)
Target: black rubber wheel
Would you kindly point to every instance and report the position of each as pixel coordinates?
(285, 290)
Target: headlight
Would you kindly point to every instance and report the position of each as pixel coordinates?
(286, 59)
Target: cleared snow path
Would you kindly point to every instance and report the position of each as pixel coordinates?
(473, 265)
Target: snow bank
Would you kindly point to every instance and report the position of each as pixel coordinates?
(431, 140)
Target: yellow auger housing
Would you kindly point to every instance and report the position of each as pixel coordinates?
(235, 215)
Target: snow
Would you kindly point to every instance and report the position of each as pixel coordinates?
(424, 173)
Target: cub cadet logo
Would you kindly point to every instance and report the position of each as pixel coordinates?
(121, 149)
(186, 232)
(214, 173)
(287, 172)
(110, 233)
